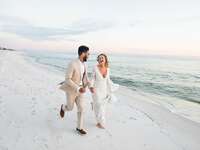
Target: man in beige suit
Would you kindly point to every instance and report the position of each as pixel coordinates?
(76, 81)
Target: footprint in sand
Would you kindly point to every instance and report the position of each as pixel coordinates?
(123, 122)
(15, 124)
(59, 139)
(33, 105)
(98, 136)
(56, 109)
(41, 142)
(3, 147)
(1, 140)
(33, 112)
(132, 118)
(2, 108)
(1, 100)
(18, 138)
(108, 133)
(34, 100)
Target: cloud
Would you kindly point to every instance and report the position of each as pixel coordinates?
(165, 20)
(24, 29)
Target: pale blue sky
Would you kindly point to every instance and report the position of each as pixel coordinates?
(170, 27)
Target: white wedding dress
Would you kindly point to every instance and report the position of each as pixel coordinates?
(103, 94)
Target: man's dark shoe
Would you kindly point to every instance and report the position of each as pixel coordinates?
(62, 113)
(81, 131)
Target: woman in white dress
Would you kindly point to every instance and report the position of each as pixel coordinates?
(101, 89)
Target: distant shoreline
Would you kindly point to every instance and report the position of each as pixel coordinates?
(6, 49)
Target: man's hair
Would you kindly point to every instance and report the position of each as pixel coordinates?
(82, 49)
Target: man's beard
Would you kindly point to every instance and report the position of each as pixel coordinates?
(85, 59)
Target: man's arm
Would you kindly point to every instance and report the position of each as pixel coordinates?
(68, 77)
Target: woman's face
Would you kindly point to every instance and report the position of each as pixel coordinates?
(101, 59)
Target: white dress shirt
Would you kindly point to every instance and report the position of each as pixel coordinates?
(82, 66)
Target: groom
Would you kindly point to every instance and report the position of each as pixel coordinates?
(76, 81)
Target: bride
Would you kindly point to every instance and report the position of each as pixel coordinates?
(101, 89)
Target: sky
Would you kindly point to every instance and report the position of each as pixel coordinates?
(155, 27)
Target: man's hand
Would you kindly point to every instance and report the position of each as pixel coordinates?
(92, 90)
(82, 90)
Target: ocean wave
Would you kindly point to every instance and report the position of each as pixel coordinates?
(176, 83)
(173, 90)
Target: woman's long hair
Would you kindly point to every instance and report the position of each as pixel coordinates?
(106, 59)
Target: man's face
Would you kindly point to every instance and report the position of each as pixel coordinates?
(86, 56)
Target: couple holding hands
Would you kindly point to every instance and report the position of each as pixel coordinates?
(76, 81)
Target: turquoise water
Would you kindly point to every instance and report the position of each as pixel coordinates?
(164, 76)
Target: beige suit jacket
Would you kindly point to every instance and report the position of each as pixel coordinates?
(73, 78)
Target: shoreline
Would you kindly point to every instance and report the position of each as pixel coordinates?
(29, 110)
(174, 105)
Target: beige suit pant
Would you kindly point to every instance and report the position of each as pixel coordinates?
(78, 99)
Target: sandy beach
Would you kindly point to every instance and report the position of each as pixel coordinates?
(29, 112)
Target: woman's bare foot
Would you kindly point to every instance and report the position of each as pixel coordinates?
(100, 126)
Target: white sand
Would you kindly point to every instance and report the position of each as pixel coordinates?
(29, 115)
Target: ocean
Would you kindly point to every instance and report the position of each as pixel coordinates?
(174, 77)
(172, 80)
